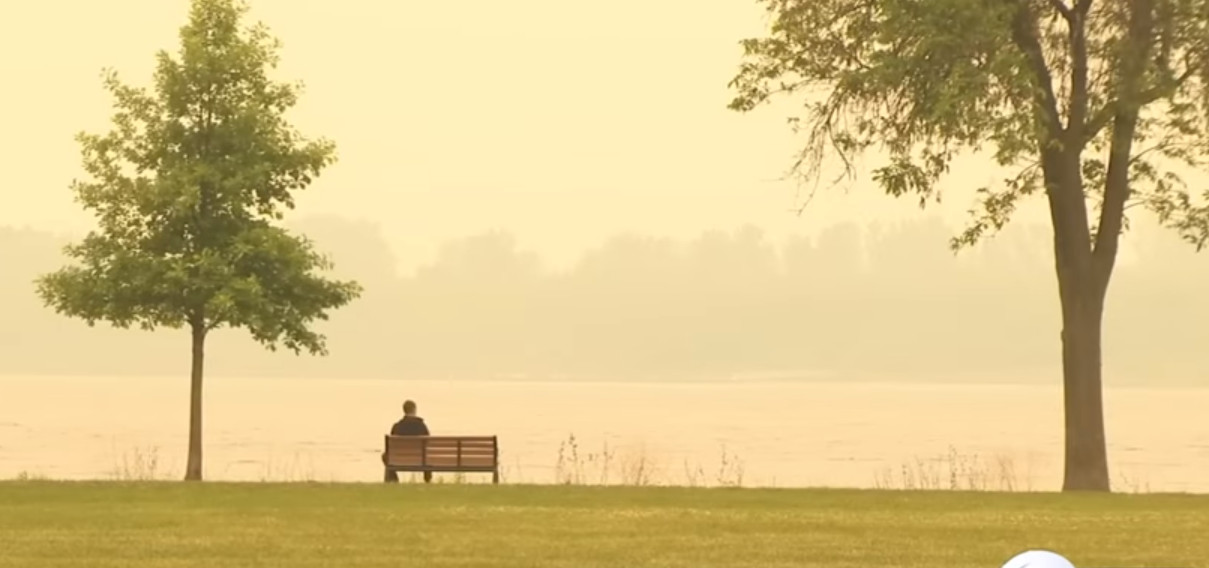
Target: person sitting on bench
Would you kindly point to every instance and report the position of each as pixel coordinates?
(409, 425)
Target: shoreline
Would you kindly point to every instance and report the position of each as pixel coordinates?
(821, 489)
(808, 435)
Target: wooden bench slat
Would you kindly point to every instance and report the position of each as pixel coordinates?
(418, 443)
(473, 455)
(430, 459)
(451, 439)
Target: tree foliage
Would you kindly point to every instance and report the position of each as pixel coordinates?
(927, 80)
(188, 187)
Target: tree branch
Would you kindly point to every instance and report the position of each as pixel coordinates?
(1025, 36)
(1100, 119)
(1125, 121)
(1079, 97)
(1063, 9)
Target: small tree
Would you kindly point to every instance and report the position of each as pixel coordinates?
(1091, 102)
(187, 188)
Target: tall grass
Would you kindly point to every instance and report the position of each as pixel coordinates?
(637, 467)
(139, 464)
(1131, 484)
(295, 469)
(954, 471)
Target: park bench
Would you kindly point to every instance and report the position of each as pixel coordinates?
(444, 454)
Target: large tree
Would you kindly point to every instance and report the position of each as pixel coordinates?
(189, 188)
(1095, 104)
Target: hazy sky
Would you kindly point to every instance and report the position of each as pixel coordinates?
(563, 122)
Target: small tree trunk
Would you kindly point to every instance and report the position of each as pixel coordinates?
(193, 469)
(1086, 467)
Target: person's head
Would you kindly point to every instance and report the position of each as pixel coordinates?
(409, 408)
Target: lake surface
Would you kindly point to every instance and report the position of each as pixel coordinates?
(766, 433)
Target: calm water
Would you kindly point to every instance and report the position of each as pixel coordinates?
(782, 434)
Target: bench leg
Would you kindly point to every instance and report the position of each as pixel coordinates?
(428, 477)
(390, 476)
(495, 477)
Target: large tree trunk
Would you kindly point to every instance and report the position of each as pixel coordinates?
(1086, 467)
(193, 469)
(1082, 287)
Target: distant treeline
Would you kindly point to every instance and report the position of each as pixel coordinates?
(885, 302)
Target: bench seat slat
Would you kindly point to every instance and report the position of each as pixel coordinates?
(442, 469)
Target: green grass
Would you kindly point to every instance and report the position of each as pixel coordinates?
(170, 524)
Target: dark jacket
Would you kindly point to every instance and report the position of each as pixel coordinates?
(409, 426)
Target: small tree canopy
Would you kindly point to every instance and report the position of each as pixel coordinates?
(188, 187)
(1127, 81)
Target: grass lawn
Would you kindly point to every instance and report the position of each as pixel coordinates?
(171, 524)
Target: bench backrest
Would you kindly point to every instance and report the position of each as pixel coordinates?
(442, 451)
